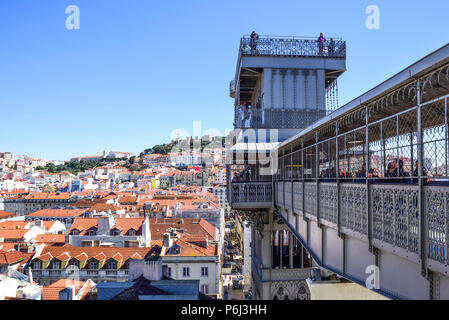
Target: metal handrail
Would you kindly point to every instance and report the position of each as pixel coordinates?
(248, 36)
(291, 46)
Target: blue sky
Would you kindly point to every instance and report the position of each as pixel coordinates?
(138, 69)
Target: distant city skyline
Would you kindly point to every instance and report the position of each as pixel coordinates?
(134, 73)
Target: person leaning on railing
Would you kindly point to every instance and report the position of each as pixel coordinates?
(396, 169)
(416, 173)
(331, 47)
(253, 42)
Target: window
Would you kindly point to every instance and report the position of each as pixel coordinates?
(169, 271)
(56, 265)
(204, 271)
(115, 232)
(204, 288)
(132, 232)
(112, 265)
(186, 272)
(93, 265)
(75, 232)
(36, 265)
(91, 232)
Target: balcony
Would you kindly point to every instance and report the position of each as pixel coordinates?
(251, 195)
(276, 118)
(232, 89)
(292, 47)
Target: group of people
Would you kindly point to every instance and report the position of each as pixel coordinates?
(243, 176)
(322, 44)
(395, 169)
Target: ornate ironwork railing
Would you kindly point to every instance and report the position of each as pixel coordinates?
(276, 118)
(292, 46)
(394, 207)
(251, 193)
(232, 89)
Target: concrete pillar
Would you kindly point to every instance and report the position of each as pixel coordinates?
(300, 90)
(277, 89)
(266, 88)
(311, 90)
(266, 248)
(289, 89)
(321, 90)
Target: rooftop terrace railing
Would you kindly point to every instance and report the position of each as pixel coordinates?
(251, 194)
(292, 46)
(276, 118)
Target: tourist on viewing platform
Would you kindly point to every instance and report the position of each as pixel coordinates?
(246, 111)
(415, 173)
(361, 174)
(391, 169)
(247, 174)
(253, 42)
(321, 42)
(331, 47)
(373, 173)
(396, 169)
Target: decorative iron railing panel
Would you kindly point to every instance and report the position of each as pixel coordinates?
(396, 215)
(328, 202)
(276, 118)
(279, 191)
(353, 207)
(254, 192)
(310, 198)
(295, 47)
(297, 196)
(436, 207)
(280, 198)
(288, 194)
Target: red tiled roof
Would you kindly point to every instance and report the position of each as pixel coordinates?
(50, 238)
(11, 257)
(13, 225)
(47, 196)
(100, 207)
(6, 214)
(58, 213)
(13, 234)
(121, 224)
(51, 292)
(86, 253)
(191, 226)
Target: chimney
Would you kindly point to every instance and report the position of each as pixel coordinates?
(167, 240)
(105, 223)
(30, 275)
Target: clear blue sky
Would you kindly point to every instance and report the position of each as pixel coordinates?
(138, 69)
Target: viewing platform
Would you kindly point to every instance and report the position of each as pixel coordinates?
(268, 45)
